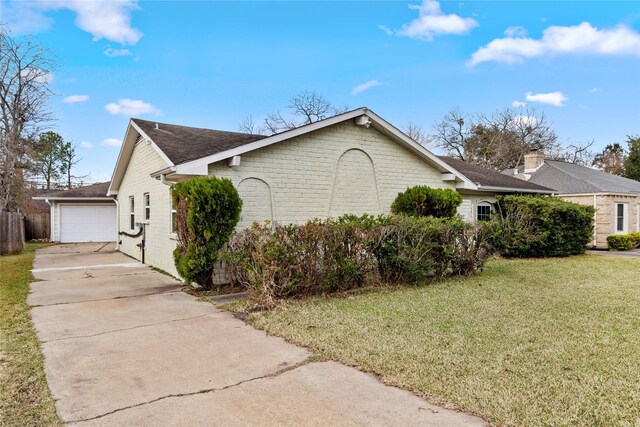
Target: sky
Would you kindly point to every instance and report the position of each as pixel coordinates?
(210, 64)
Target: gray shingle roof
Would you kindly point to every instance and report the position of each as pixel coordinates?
(569, 178)
(183, 143)
(488, 178)
(94, 190)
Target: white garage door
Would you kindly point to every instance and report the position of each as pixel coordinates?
(88, 223)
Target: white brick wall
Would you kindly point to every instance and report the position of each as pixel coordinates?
(343, 168)
(136, 182)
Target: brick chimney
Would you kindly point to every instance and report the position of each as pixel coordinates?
(533, 160)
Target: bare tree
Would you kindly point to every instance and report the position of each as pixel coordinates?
(68, 160)
(452, 132)
(418, 134)
(578, 153)
(247, 125)
(498, 141)
(304, 108)
(25, 71)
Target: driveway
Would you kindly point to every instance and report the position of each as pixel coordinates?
(123, 345)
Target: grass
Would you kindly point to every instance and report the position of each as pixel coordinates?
(25, 399)
(525, 343)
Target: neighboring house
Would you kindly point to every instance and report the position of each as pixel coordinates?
(355, 162)
(83, 214)
(616, 199)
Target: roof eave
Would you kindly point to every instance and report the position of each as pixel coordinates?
(77, 198)
(514, 190)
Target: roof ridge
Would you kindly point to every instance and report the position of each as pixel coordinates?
(195, 127)
(594, 185)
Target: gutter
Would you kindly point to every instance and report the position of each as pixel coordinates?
(74, 199)
(51, 216)
(515, 190)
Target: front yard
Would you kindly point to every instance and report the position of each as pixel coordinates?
(527, 342)
(25, 399)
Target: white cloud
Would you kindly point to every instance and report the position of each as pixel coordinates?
(103, 19)
(595, 90)
(558, 40)
(74, 99)
(112, 142)
(516, 31)
(552, 98)
(365, 86)
(432, 22)
(131, 107)
(519, 104)
(85, 144)
(386, 29)
(113, 53)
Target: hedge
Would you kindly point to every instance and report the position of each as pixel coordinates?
(322, 256)
(422, 200)
(208, 209)
(541, 226)
(623, 242)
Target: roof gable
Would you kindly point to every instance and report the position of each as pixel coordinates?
(199, 166)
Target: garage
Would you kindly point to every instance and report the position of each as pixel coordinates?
(88, 223)
(82, 214)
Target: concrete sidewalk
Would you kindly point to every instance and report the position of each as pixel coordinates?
(123, 345)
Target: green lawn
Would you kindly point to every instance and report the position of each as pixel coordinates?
(25, 399)
(526, 343)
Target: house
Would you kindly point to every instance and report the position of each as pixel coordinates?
(83, 214)
(354, 162)
(615, 199)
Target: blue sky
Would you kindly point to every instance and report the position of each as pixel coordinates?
(210, 64)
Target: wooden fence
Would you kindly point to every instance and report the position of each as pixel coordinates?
(37, 226)
(11, 233)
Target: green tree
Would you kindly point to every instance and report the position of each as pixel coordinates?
(47, 157)
(611, 159)
(632, 162)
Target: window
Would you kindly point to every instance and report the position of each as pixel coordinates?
(173, 214)
(483, 212)
(621, 223)
(147, 207)
(132, 213)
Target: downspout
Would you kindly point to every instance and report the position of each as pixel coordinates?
(595, 220)
(118, 241)
(51, 213)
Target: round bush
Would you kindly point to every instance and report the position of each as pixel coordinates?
(422, 200)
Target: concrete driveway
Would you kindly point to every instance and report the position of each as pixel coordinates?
(123, 345)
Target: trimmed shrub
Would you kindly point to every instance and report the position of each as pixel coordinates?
(620, 242)
(274, 261)
(426, 201)
(540, 226)
(623, 242)
(208, 209)
(324, 256)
